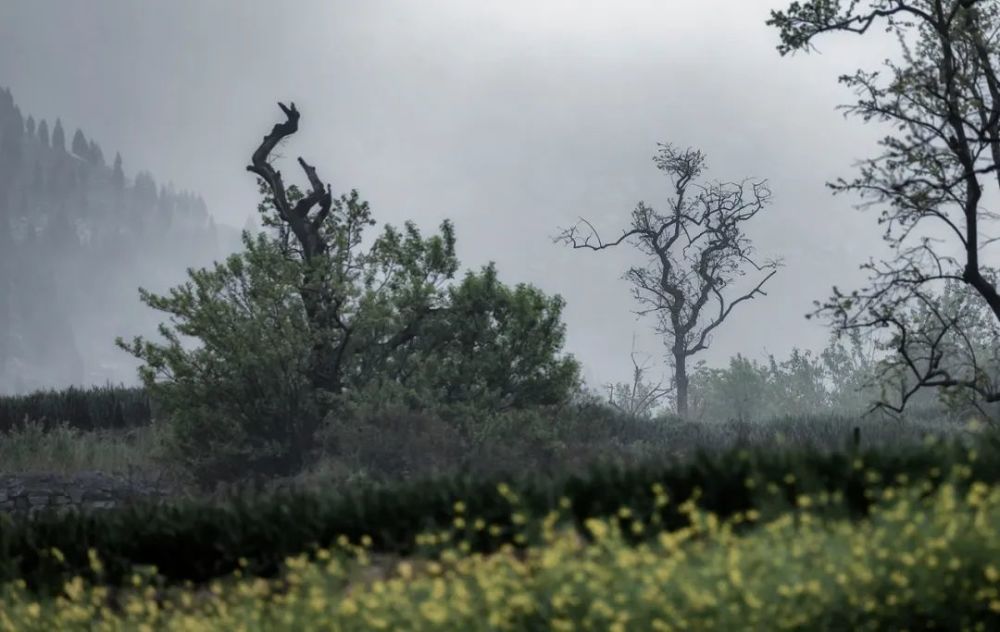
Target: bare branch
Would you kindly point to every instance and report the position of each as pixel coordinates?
(697, 250)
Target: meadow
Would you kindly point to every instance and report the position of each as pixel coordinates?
(617, 524)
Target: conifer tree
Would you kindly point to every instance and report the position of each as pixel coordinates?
(95, 154)
(59, 136)
(17, 122)
(118, 175)
(43, 133)
(80, 146)
(30, 126)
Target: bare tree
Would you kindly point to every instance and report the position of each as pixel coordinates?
(696, 251)
(942, 102)
(640, 398)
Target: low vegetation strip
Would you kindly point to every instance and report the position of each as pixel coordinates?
(919, 561)
(198, 541)
(105, 407)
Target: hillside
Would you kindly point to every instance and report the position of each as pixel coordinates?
(77, 238)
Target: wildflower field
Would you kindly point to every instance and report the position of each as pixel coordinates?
(926, 555)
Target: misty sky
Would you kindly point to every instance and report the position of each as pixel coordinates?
(511, 117)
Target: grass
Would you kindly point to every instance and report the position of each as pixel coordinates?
(409, 446)
(31, 448)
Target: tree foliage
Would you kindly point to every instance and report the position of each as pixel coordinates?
(843, 379)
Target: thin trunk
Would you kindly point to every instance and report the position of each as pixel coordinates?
(681, 378)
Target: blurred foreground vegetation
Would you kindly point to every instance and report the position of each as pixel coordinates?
(868, 541)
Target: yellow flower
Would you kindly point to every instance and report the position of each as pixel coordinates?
(434, 612)
(992, 573)
(348, 606)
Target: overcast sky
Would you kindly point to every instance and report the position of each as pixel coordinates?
(511, 117)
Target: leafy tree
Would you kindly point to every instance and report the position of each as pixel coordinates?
(697, 250)
(58, 136)
(843, 380)
(738, 393)
(849, 366)
(29, 126)
(939, 162)
(491, 346)
(261, 348)
(241, 399)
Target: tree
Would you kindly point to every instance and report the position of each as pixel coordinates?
(145, 190)
(80, 146)
(43, 133)
(740, 392)
(59, 136)
(942, 103)
(118, 174)
(489, 346)
(696, 251)
(639, 398)
(287, 330)
(324, 234)
(30, 126)
(95, 154)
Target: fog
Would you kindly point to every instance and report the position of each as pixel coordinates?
(512, 118)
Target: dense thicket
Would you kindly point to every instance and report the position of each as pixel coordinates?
(201, 540)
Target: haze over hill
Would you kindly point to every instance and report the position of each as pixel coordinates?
(78, 236)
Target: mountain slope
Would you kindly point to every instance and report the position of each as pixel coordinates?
(77, 238)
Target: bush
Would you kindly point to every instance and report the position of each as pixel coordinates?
(245, 397)
(241, 401)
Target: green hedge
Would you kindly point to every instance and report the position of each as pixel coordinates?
(97, 408)
(199, 540)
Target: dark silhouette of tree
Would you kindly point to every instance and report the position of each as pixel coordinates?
(697, 250)
(43, 133)
(117, 173)
(11, 136)
(30, 126)
(58, 137)
(80, 146)
(942, 103)
(145, 190)
(94, 153)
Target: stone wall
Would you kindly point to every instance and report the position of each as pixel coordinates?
(26, 494)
